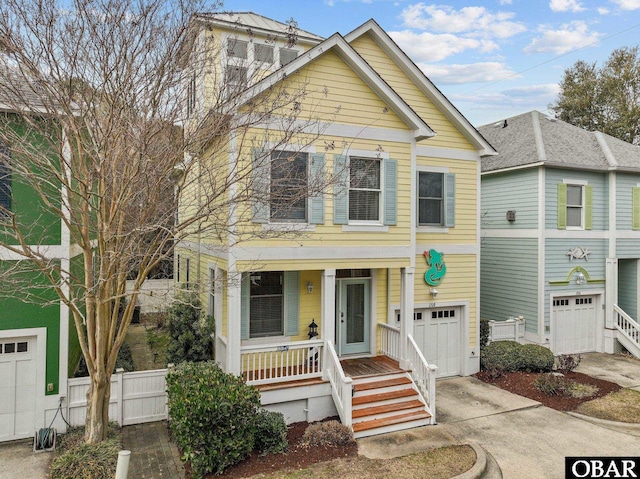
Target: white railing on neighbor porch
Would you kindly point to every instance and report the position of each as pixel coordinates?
(265, 364)
(511, 329)
(627, 325)
(389, 341)
(424, 375)
(341, 385)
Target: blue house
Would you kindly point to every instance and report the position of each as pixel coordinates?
(561, 234)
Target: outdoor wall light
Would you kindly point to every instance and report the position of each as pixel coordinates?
(580, 278)
(433, 291)
(313, 329)
(309, 287)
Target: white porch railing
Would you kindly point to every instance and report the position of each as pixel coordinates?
(511, 329)
(626, 325)
(341, 385)
(266, 364)
(423, 375)
(389, 341)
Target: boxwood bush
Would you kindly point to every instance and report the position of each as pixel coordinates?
(501, 356)
(512, 356)
(536, 358)
(212, 416)
(271, 432)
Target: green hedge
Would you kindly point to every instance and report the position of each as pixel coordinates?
(512, 356)
(271, 432)
(212, 416)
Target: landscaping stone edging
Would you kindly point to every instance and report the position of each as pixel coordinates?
(624, 427)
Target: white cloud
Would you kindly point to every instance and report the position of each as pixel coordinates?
(505, 2)
(569, 37)
(442, 74)
(428, 47)
(627, 4)
(603, 11)
(471, 21)
(566, 6)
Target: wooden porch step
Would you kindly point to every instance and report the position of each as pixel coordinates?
(372, 398)
(389, 421)
(387, 408)
(367, 386)
(289, 384)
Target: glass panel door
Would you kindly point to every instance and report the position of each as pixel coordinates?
(354, 316)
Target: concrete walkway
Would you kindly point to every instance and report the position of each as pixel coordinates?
(616, 368)
(18, 461)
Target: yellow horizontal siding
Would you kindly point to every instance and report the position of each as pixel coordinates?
(320, 264)
(447, 134)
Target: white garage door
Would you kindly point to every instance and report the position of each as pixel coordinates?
(575, 324)
(17, 388)
(437, 332)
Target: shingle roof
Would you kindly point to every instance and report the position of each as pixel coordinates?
(533, 138)
(256, 21)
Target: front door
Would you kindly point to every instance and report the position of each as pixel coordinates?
(354, 315)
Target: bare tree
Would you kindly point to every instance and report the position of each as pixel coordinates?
(96, 91)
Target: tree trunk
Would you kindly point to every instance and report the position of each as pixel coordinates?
(97, 409)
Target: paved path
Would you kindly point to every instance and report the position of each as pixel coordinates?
(617, 368)
(18, 461)
(153, 456)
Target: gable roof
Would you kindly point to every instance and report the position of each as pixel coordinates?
(533, 139)
(255, 22)
(416, 75)
(339, 45)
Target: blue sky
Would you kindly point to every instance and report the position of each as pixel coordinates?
(492, 58)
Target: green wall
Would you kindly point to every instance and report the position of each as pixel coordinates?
(18, 314)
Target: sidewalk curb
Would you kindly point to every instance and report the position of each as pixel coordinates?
(623, 427)
(478, 468)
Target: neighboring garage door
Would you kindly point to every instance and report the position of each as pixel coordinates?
(575, 322)
(437, 332)
(17, 388)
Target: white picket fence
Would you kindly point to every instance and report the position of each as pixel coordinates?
(136, 397)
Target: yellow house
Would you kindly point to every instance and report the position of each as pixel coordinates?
(346, 278)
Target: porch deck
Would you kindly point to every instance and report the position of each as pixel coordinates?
(371, 366)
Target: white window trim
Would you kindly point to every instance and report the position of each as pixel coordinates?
(359, 227)
(582, 183)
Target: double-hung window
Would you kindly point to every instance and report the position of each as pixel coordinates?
(287, 55)
(365, 191)
(289, 186)
(5, 179)
(436, 199)
(574, 205)
(266, 304)
(235, 75)
(430, 198)
(263, 53)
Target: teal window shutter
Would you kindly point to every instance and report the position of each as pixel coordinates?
(341, 190)
(635, 198)
(562, 206)
(450, 200)
(390, 192)
(316, 200)
(261, 176)
(588, 207)
(244, 306)
(292, 299)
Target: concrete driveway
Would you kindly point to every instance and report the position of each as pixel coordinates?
(18, 461)
(623, 370)
(527, 439)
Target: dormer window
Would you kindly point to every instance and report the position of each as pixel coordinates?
(263, 53)
(237, 48)
(287, 55)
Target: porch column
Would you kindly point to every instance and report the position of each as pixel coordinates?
(234, 315)
(406, 312)
(328, 311)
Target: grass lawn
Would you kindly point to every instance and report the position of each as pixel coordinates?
(441, 463)
(622, 406)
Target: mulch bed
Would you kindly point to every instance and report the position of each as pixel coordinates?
(523, 384)
(297, 456)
